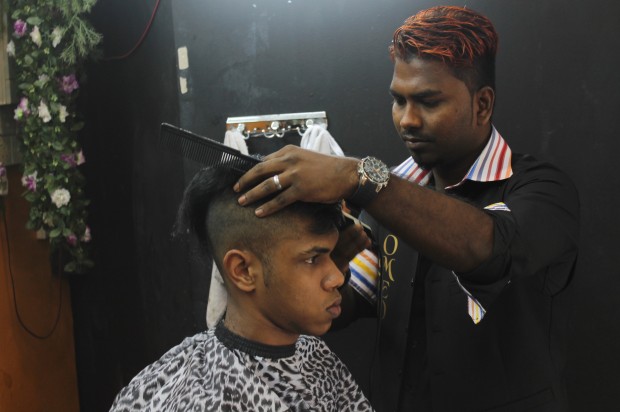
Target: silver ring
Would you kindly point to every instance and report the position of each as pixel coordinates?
(276, 181)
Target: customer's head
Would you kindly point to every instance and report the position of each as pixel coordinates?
(461, 38)
(276, 267)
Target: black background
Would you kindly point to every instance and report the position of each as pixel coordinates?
(558, 98)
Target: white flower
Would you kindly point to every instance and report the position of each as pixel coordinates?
(80, 159)
(44, 112)
(10, 48)
(86, 237)
(35, 35)
(62, 113)
(61, 197)
(56, 36)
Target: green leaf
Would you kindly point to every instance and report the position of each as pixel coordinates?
(55, 232)
(58, 146)
(28, 60)
(77, 126)
(34, 21)
(70, 267)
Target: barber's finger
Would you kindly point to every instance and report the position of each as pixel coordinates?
(266, 188)
(262, 171)
(271, 165)
(279, 202)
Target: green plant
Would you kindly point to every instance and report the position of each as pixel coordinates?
(50, 40)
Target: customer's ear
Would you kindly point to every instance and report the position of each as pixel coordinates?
(240, 267)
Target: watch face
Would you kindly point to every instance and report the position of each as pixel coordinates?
(376, 170)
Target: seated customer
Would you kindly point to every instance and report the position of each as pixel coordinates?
(283, 291)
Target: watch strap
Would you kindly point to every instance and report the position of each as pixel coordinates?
(365, 193)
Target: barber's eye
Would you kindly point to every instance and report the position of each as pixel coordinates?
(431, 103)
(399, 101)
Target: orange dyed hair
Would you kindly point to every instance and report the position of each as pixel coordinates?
(461, 38)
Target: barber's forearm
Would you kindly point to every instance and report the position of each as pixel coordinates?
(448, 231)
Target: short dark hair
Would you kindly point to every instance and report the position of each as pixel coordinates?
(461, 38)
(210, 211)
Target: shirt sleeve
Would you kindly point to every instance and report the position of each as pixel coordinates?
(536, 228)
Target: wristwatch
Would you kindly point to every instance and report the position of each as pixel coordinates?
(374, 176)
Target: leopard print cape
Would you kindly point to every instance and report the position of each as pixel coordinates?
(219, 371)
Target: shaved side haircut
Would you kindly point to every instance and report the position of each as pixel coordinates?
(210, 211)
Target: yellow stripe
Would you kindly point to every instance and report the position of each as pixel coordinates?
(370, 271)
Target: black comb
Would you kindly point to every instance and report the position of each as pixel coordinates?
(202, 149)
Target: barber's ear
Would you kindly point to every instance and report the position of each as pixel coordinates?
(240, 267)
(484, 100)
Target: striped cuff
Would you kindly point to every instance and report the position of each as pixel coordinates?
(365, 275)
(474, 308)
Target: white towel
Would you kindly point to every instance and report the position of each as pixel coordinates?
(316, 138)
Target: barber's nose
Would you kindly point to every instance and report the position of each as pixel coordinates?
(410, 118)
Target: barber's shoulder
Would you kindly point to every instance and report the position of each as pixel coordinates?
(529, 169)
(527, 163)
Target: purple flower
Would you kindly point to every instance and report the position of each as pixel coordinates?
(23, 104)
(69, 159)
(30, 181)
(22, 109)
(72, 239)
(69, 83)
(2, 170)
(20, 28)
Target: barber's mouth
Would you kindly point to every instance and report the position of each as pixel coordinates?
(416, 144)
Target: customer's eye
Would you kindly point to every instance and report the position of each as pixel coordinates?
(312, 260)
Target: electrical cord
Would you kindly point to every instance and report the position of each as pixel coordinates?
(141, 39)
(19, 318)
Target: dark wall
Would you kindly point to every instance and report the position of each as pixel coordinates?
(557, 98)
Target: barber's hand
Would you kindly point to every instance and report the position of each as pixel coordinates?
(302, 175)
(351, 241)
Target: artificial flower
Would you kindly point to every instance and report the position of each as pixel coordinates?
(56, 36)
(69, 83)
(61, 197)
(10, 48)
(20, 28)
(86, 237)
(49, 42)
(44, 112)
(62, 113)
(30, 181)
(72, 239)
(69, 159)
(22, 109)
(35, 35)
(80, 159)
(4, 183)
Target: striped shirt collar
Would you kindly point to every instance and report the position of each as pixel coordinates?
(494, 163)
